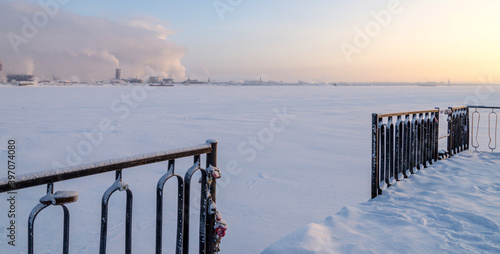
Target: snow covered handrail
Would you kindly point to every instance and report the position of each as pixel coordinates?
(212, 227)
(401, 144)
(45, 177)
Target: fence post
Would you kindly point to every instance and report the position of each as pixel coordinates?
(467, 122)
(375, 165)
(450, 132)
(210, 228)
(436, 135)
(407, 147)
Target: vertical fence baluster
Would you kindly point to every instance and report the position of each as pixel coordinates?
(380, 155)
(422, 141)
(398, 149)
(431, 138)
(383, 156)
(159, 208)
(203, 211)
(425, 137)
(452, 133)
(390, 152)
(436, 135)
(493, 141)
(31, 226)
(475, 141)
(187, 202)
(180, 209)
(461, 130)
(66, 230)
(419, 140)
(428, 140)
(117, 186)
(407, 142)
(59, 198)
(388, 157)
(375, 156)
(430, 155)
(464, 130)
(456, 125)
(128, 221)
(468, 133)
(456, 119)
(413, 148)
(210, 228)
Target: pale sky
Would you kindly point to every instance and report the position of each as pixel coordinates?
(315, 40)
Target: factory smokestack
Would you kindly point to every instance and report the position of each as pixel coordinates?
(118, 74)
(0, 66)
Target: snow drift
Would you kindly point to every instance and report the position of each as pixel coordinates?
(450, 207)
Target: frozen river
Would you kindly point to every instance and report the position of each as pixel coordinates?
(290, 155)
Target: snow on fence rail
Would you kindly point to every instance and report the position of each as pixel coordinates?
(403, 143)
(212, 227)
(458, 130)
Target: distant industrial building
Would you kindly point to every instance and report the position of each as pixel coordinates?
(168, 80)
(118, 74)
(154, 79)
(19, 77)
(193, 82)
(135, 80)
(0, 66)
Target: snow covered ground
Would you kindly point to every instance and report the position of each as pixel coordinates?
(451, 207)
(290, 156)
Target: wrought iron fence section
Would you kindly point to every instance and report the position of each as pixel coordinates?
(402, 143)
(458, 125)
(207, 236)
(411, 142)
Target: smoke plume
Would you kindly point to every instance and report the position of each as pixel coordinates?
(30, 66)
(71, 46)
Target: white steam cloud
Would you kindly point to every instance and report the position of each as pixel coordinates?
(86, 48)
(30, 66)
(104, 55)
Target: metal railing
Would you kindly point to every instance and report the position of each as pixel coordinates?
(458, 130)
(492, 126)
(209, 236)
(402, 143)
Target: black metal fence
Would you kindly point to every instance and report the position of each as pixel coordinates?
(458, 130)
(403, 143)
(212, 227)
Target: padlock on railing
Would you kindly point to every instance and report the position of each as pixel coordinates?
(212, 207)
(214, 172)
(220, 226)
